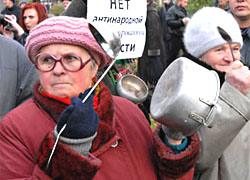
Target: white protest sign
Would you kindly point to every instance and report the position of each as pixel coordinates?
(126, 17)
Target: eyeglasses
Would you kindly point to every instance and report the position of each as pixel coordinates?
(70, 61)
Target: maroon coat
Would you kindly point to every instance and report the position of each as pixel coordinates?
(123, 149)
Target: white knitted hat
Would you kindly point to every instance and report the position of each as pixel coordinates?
(201, 33)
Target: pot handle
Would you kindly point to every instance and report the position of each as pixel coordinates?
(216, 108)
(209, 120)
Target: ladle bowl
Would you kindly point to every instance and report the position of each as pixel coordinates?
(132, 88)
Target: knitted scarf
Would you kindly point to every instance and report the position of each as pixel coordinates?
(55, 106)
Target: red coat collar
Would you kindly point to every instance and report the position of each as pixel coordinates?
(104, 110)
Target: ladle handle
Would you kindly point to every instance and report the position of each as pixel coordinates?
(231, 49)
(99, 80)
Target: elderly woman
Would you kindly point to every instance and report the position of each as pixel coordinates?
(107, 137)
(225, 149)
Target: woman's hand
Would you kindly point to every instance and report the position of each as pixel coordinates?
(238, 76)
(81, 119)
(11, 19)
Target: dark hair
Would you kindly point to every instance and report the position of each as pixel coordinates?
(41, 12)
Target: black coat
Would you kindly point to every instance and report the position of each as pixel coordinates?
(174, 19)
(152, 63)
(245, 50)
(162, 13)
(15, 10)
(22, 38)
(77, 8)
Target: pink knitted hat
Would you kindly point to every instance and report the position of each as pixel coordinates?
(64, 30)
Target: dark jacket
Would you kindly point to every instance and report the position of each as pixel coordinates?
(152, 63)
(162, 14)
(245, 50)
(13, 10)
(174, 20)
(17, 75)
(22, 38)
(77, 8)
(123, 149)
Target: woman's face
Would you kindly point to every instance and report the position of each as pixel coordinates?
(220, 58)
(30, 18)
(62, 83)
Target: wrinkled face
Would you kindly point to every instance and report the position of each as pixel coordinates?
(62, 83)
(30, 18)
(8, 3)
(240, 9)
(220, 58)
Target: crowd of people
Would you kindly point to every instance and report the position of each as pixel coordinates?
(31, 15)
(48, 65)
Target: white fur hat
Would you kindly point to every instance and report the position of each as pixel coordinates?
(201, 33)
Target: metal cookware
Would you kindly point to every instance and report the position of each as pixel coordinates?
(185, 97)
(133, 88)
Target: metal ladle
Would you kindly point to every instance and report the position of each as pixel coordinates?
(110, 43)
(227, 38)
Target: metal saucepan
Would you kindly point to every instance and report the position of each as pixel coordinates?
(185, 97)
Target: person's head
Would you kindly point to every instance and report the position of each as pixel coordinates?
(203, 40)
(22, 3)
(182, 3)
(65, 3)
(9, 3)
(149, 2)
(223, 4)
(241, 12)
(70, 40)
(31, 15)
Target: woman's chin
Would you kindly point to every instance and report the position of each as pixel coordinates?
(63, 94)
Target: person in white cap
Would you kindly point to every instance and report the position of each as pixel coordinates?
(225, 148)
